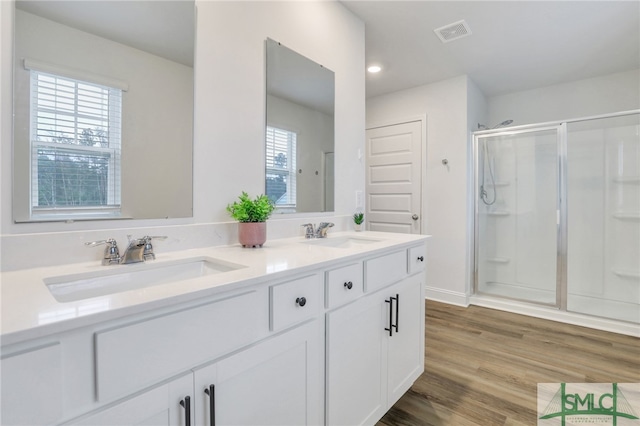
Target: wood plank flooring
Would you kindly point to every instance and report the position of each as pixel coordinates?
(482, 366)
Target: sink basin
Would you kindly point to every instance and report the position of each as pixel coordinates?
(69, 288)
(341, 242)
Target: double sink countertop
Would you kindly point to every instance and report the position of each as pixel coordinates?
(88, 293)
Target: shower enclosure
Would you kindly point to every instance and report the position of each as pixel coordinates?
(557, 215)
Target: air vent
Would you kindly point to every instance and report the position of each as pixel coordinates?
(453, 31)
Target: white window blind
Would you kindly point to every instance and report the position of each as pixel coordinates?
(75, 145)
(281, 166)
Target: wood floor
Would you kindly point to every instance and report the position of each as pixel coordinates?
(482, 366)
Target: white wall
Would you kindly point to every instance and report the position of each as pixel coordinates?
(229, 126)
(230, 84)
(582, 98)
(445, 198)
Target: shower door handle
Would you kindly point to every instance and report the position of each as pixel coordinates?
(415, 217)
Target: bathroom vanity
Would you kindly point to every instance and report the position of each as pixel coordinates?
(299, 332)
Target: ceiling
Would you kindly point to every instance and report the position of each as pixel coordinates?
(513, 46)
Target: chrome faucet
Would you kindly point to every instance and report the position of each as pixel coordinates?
(138, 250)
(319, 232)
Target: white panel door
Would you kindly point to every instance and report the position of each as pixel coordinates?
(393, 178)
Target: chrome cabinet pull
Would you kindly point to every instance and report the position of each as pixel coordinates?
(301, 301)
(348, 285)
(421, 258)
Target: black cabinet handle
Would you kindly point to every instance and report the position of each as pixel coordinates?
(421, 258)
(397, 312)
(393, 326)
(390, 329)
(186, 403)
(348, 285)
(212, 404)
(301, 301)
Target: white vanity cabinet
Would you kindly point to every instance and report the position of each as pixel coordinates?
(334, 342)
(375, 345)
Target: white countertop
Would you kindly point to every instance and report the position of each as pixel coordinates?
(30, 311)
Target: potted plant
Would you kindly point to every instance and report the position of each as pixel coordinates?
(358, 218)
(252, 216)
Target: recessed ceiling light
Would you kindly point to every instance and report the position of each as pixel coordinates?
(374, 69)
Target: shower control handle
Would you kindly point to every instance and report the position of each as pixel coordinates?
(415, 217)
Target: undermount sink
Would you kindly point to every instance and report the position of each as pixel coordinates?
(341, 242)
(73, 287)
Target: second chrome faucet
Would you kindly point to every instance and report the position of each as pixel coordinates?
(319, 232)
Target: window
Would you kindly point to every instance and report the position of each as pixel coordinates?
(75, 146)
(281, 167)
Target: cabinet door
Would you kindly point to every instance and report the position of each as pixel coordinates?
(162, 405)
(406, 345)
(356, 358)
(28, 380)
(276, 382)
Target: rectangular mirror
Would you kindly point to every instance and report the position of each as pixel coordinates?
(103, 109)
(299, 136)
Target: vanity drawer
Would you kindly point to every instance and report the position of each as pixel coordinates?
(141, 354)
(295, 301)
(343, 285)
(385, 270)
(417, 259)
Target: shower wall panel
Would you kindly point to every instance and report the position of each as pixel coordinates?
(603, 170)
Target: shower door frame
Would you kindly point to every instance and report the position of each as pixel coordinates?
(561, 205)
(562, 211)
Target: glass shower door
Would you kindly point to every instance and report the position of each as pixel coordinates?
(517, 214)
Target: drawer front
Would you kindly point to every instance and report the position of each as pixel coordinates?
(343, 285)
(295, 301)
(141, 354)
(385, 270)
(31, 385)
(417, 259)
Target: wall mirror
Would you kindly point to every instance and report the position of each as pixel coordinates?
(103, 109)
(299, 139)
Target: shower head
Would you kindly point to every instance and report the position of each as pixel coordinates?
(504, 123)
(482, 127)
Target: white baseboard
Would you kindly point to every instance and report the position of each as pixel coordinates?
(554, 314)
(446, 296)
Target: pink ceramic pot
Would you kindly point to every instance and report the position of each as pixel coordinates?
(252, 234)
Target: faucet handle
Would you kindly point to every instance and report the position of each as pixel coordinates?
(309, 231)
(148, 253)
(111, 252)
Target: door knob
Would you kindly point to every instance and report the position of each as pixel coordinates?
(415, 217)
